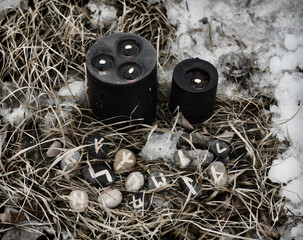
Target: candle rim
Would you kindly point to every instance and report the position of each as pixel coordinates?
(108, 45)
(190, 64)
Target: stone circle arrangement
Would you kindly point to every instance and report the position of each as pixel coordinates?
(102, 175)
(67, 176)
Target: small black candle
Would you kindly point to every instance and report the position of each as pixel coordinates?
(122, 78)
(194, 87)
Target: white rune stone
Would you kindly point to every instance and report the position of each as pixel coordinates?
(217, 173)
(134, 181)
(78, 200)
(124, 160)
(217, 176)
(110, 198)
(70, 160)
(70, 163)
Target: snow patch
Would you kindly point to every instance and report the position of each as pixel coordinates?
(297, 231)
(291, 42)
(286, 168)
(16, 116)
(288, 61)
(75, 91)
(160, 145)
(294, 190)
(7, 5)
(289, 94)
(101, 12)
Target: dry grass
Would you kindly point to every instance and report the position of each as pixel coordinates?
(40, 48)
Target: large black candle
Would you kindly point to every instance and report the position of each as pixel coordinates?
(122, 78)
(194, 87)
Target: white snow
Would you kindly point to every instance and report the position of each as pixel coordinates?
(6, 5)
(160, 145)
(294, 190)
(288, 115)
(289, 61)
(50, 119)
(75, 91)
(297, 231)
(16, 116)
(288, 112)
(291, 42)
(102, 13)
(287, 167)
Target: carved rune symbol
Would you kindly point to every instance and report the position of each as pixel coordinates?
(216, 175)
(70, 161)
(159, 184)
(98, 144)
(137, 203)
(183, 160)
(220, 150)
(188, 182)
(136, 180)
(98, 174)
(125, 159)
(78, 199)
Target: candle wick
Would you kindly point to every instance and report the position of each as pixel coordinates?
(197, 80)
(131, 70)
(102, 61)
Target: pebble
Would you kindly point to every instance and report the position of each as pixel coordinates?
(217, 173)
(190, 186)
(203, 157)
(183, 122)
(139, 201)
(71, 162)
(100, 174)
(181, 159)
(99, 147)
(158, 179)
(55, 149)
(125, 160)
(134, 182)
(78, 200)
(198, 139)
(219, 148)
(110, 198)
